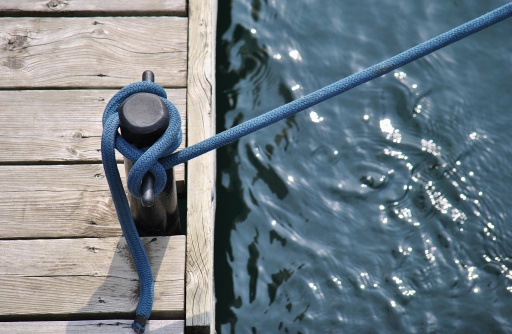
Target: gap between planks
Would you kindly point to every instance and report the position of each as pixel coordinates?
(115, 326)
(88, 7)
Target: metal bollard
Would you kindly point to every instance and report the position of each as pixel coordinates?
(144, 117)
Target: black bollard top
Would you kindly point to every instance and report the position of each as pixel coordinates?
(144, 117)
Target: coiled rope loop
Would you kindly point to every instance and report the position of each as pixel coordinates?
(145, 160)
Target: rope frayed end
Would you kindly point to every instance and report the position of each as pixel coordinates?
(139, 325)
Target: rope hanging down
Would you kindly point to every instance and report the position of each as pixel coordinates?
(159, 156)
(110, 140)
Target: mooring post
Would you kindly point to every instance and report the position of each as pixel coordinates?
(144, 117)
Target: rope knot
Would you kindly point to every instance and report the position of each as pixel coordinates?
(147, 159)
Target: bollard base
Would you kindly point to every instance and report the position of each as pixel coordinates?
(160, 219)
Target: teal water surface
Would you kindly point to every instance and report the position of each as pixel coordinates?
(384, 210)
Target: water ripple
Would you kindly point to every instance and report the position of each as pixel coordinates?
(385, 209)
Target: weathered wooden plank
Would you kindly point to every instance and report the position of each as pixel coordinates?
(72, 277)
(155, 7)
(57, 125)
(89, 52)
(59, 201)
(91, 327)
(200, 305)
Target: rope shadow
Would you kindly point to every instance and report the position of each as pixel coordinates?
(118, 294)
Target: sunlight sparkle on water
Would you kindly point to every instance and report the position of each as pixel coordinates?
(315, 118)
(405, 251)
(430, 147)
(458, 216)
(391, 133)
(397, 154)
(404, 213)
(386, 127)
(294, 54)
(471, 273)
(336, 280)
(400, 75)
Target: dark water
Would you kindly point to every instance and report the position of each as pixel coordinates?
(385, 210)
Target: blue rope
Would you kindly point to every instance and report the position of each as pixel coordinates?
(111, 140)
(159, 156)
(339, 87)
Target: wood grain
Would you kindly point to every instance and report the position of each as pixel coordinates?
(58, 201)
(91, 327)
(60, 126)
(94, 52)
(200, 305)
(59, 67)
(66, 277)
(82, 7)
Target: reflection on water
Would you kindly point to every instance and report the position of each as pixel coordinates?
(383, 210)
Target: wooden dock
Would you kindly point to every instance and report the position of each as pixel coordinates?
(64, 265)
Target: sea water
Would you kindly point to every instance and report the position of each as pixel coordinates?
(384, 210)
